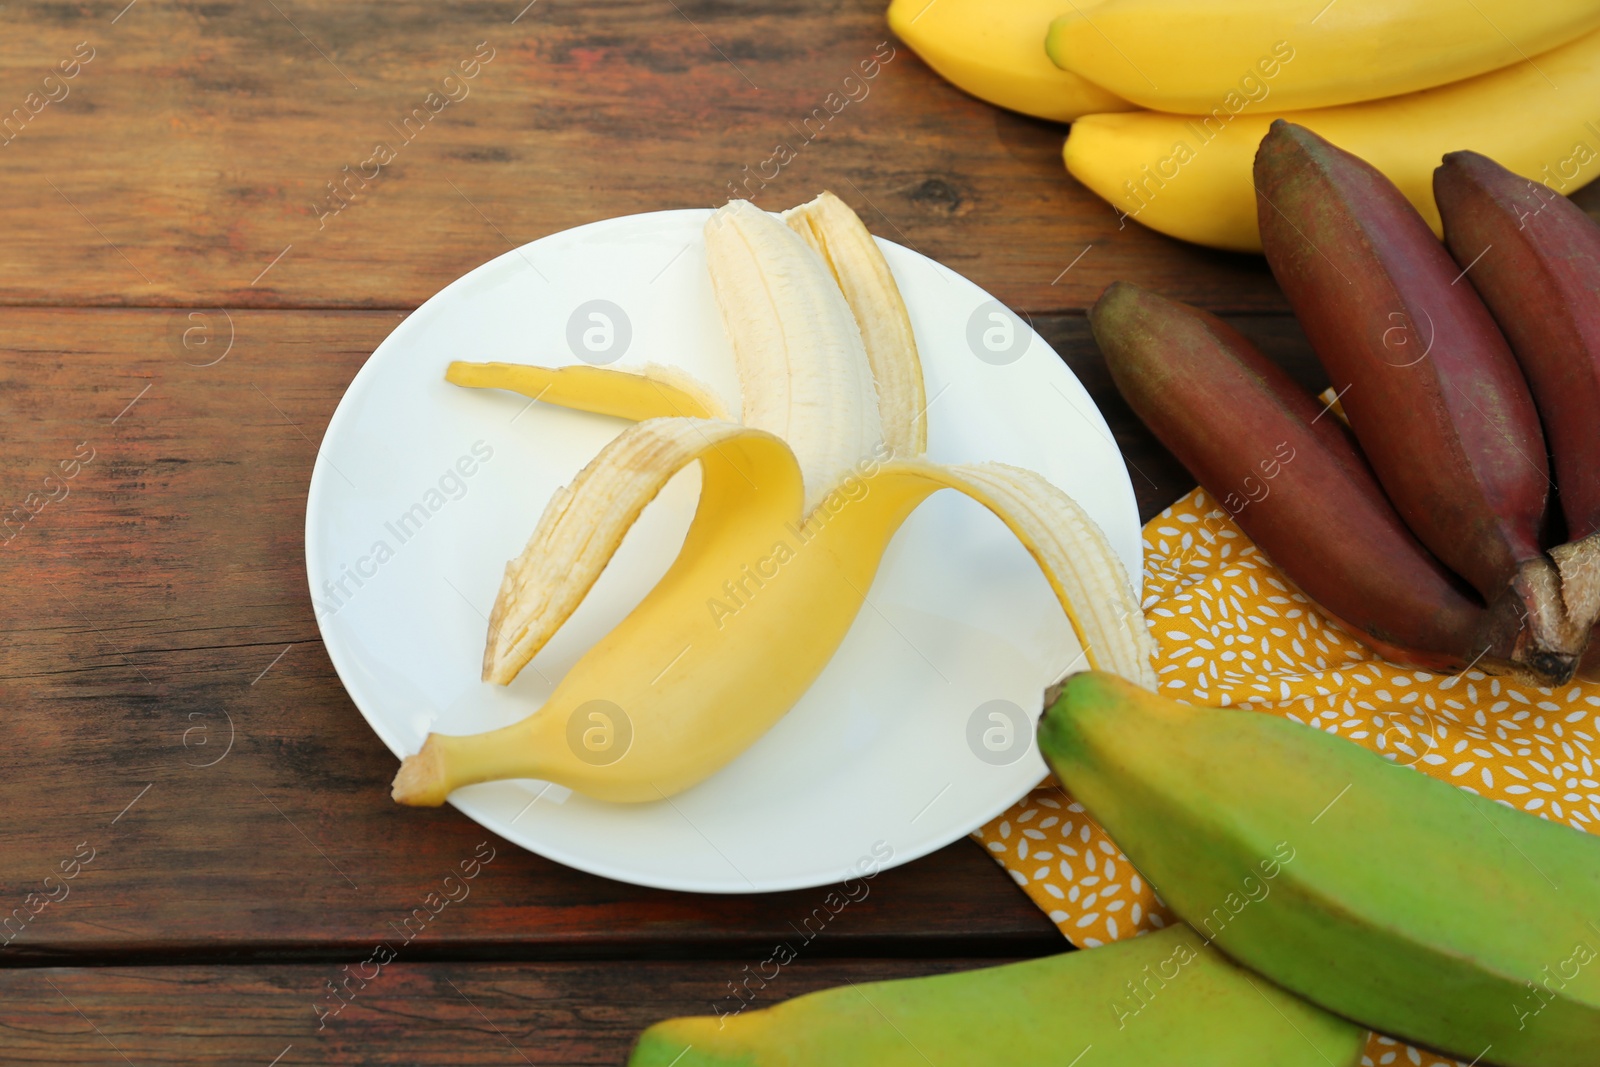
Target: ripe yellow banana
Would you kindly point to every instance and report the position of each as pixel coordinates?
(797, 504)
(996, 53)
(1189, 176)
(1189, 56)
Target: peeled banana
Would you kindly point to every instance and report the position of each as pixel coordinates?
(1164, 998)
(1193, 56)
(798, 502)
(996, 53)
(1189, 176)
(1260, 832)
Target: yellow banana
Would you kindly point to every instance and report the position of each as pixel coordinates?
(1190, 176)
(996, 53)
(784, 544)
(1189, 56)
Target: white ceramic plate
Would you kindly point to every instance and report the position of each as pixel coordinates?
(918, 731)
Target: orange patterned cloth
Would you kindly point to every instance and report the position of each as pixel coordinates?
(1230, 631)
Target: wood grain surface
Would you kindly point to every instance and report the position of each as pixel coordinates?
(434, 1014)
(209, 224)
(197, 147)
(159, 611)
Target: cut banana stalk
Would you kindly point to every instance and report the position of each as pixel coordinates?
(797, 506)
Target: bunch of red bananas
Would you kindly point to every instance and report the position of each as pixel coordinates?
(1452, 515)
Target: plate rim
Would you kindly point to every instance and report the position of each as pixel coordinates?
(588, 863)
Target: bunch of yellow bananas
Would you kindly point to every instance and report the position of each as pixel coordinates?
(1169, 98)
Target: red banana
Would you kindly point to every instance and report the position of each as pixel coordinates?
(1428, 382)
(1534, 257)
(1294, 480)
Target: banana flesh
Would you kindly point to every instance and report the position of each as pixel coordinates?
(1189, 57)
(1188, 176)
(837, 234)
(801, 360)
(798, 503)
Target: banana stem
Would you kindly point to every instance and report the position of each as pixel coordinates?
(446, 763)
(1579, 564)
(1548, 636)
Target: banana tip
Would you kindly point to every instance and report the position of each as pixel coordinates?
(420, 782)
(1554, 668)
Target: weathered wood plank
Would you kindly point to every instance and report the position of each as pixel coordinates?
(163, 597)
(562, 1015)
(197, 146)
(142, 612)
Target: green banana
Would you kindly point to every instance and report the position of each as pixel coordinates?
(1164, 998)
(1266, 836)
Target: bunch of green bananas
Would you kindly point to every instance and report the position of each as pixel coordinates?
(1169, 98)
(1257, 831)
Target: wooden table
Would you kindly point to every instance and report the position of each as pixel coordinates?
(187, 297)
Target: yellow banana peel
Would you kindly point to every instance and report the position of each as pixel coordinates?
(1189, 56)
(1190, 176)
(996, 53)
(797, 504)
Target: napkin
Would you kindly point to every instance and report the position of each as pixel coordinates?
(1231, 631)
